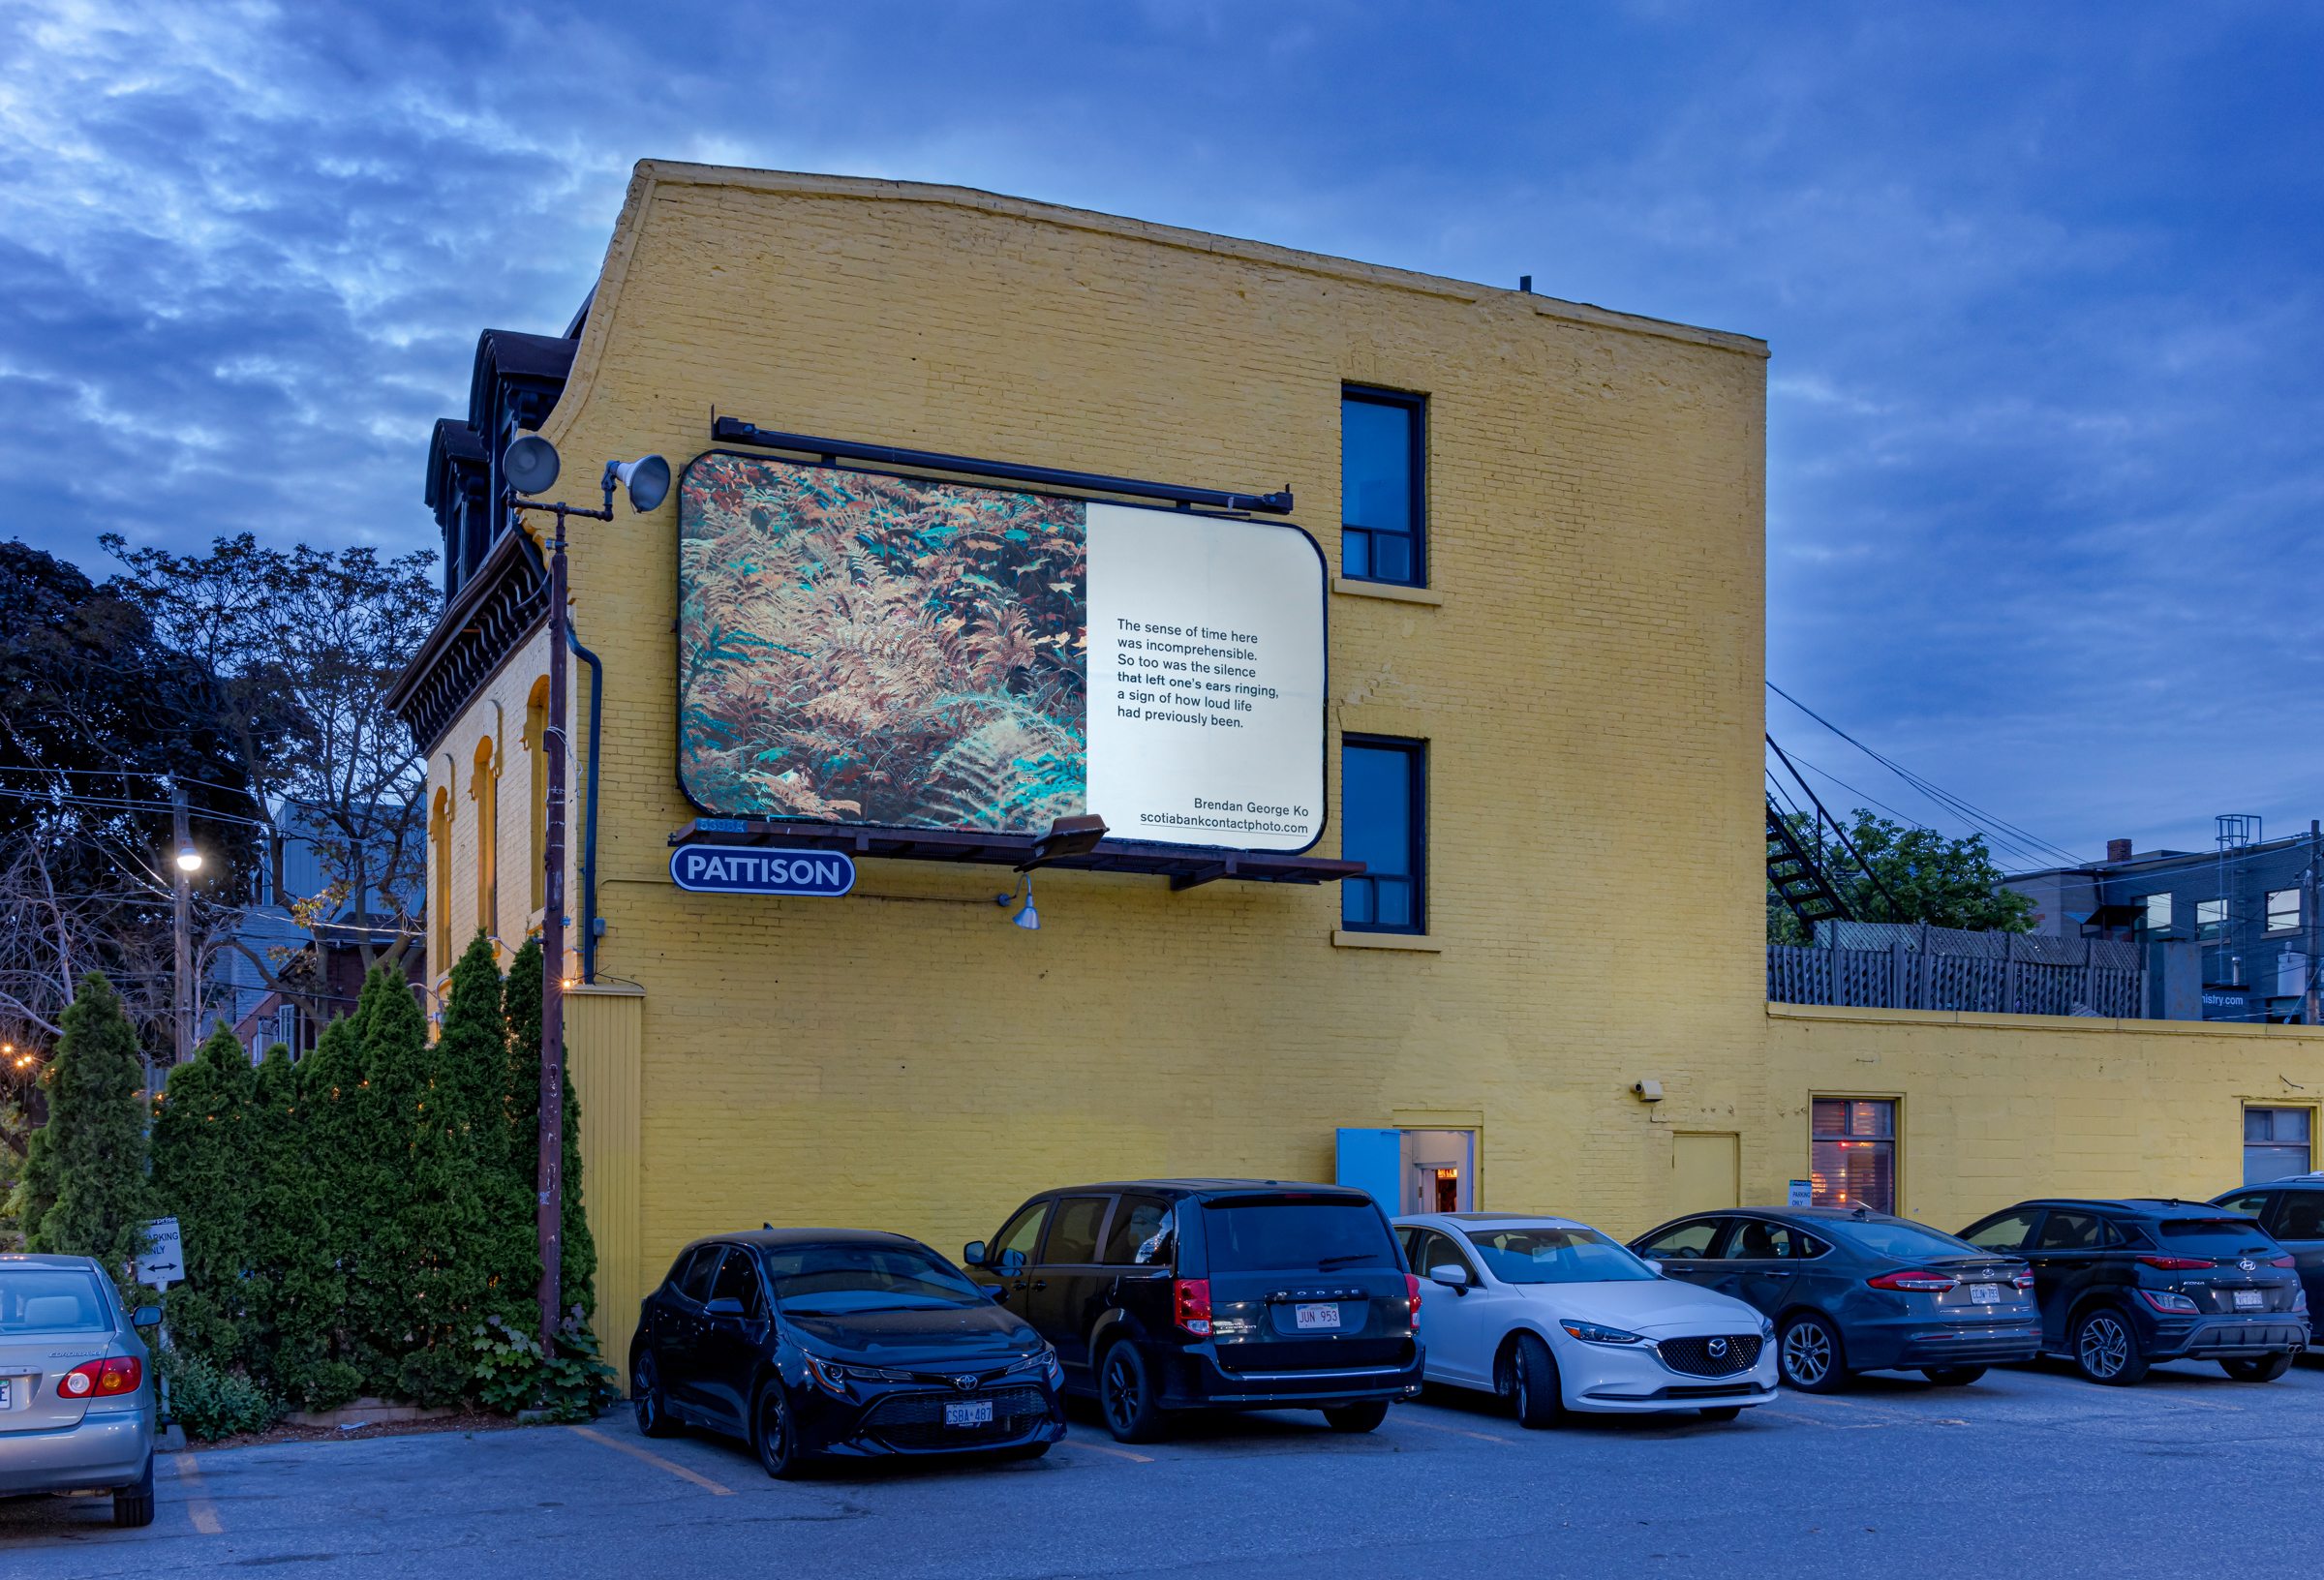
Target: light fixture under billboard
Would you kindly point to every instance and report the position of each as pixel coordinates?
(727, 870)
(862, 649)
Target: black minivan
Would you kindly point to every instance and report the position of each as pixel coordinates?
(1165, 1295)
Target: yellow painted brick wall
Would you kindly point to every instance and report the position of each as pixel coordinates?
(1589, 688)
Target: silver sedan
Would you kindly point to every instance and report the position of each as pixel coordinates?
(79, 1409)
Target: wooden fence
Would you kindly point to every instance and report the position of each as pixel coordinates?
(1900, 978)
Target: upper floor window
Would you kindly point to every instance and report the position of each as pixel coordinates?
(1383, 485)
(2284, 910)
(2211, 918)
(1384, 825)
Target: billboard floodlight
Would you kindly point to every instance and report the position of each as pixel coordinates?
(530, 464)
(647, 478)
(1066, 837)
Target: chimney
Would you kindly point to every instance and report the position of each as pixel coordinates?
(2118, 850)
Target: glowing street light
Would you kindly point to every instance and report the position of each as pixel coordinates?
(189, 860)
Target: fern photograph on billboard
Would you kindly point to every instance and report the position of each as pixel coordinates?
(865, 648)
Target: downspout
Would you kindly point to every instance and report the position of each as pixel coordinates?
(589, 826)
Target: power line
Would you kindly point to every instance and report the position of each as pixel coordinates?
(2004, 834)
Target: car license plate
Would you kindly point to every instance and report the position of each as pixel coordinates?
(974, 1413)
(7, 1400)
(2250, 1299)
(1322, 1313)
(1985, 1295)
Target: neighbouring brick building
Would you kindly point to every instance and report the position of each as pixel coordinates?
(1545, 529)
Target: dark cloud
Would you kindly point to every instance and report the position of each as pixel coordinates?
(2040, 286)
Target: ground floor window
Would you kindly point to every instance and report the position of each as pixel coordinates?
(2276, 1143)
(1852, 1154)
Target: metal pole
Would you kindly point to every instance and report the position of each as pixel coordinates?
(181, 886)
(556, 741)
(2307, 1011)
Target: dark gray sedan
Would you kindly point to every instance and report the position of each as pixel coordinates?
(1852, 1290)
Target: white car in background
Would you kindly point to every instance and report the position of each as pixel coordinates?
(1562, 1317)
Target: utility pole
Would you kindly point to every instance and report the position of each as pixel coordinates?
(2315, 835)
(556, 741)
(181, 884)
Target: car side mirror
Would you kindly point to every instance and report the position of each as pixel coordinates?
(1011, 1261)
(1000, 1293)
(972, 1255)
(146, 1317)
(725, 1305)
(1450, 1273)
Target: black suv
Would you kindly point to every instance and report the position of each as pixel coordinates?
(2124, 1283)
(2292, 1212)
(1172, 1294)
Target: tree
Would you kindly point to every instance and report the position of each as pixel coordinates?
(345, 1190)
(305, 645)
(577, 1254)
(202, 1152)
(473, 1052)
(84, 1190)
(1947, 883)
(297, 1292)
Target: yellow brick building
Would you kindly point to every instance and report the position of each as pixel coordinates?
(1584, 665)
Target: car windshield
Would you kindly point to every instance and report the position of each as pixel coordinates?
(834, 1280)
(1555, 1255)
(1906, 1242)
(2216, 1237)
(1271, 1234)
(51, 1300)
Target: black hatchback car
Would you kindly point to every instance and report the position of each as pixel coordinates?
(839, 1342)
(1164, 1296)
(1852, 1290)
(2123, 1284)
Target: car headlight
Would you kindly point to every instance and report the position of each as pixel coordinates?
(1046, 1362)
(833, 1377)
(1592, 1333)
(1766, 1329)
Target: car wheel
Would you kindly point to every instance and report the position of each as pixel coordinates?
(2107, 1350)
(1533, 1379)
(1721, 1413)
(1952, 1376)
(1362, 1417)
(1125, 1392)
(1809, 1356)
(653, 1418)
(133, 1504)
(772, 1435)
(2260, 1369)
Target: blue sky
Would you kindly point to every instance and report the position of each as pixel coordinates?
(2041, 285)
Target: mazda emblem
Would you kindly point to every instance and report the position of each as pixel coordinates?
(966, 1384)
(2249, 1265)
(1718, 1346)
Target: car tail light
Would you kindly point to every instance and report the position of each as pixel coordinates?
(1190, 1300)
(2282, 1262)
(1918, 1279)
(2178, 1265)
(2023, 1280)
(2165, 1300)
(115, 1374)
(1412, 1292)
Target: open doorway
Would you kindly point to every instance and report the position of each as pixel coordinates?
(1440, 1171)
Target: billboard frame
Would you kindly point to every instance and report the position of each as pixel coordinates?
(1186, 865)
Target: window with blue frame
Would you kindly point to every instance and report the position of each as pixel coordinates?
(1383, 492)
(1383, 823)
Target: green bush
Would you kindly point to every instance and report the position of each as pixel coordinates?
(211, 1402)
(512, 1374)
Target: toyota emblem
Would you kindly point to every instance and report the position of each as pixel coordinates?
(2249, 1265)
(1719, 1347)
(966, 1384)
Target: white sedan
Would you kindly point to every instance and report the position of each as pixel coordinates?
(1560, 1316)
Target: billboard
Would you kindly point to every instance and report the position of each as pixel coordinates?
(865, 648)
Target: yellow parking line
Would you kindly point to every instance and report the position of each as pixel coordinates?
(654, 1460)
(1432, 1426)
(197, 1503)
(1119, 1454)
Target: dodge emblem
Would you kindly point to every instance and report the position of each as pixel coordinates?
(1719, 1347)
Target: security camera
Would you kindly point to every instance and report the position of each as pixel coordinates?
(1648, 1091)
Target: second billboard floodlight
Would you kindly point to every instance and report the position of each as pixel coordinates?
(530, 464)
(647, 478)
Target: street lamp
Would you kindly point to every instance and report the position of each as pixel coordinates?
(531, 465)
(189, 860)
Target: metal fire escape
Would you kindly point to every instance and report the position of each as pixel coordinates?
(1793, 873)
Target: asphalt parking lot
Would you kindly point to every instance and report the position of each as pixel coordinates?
(2031, 1470)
